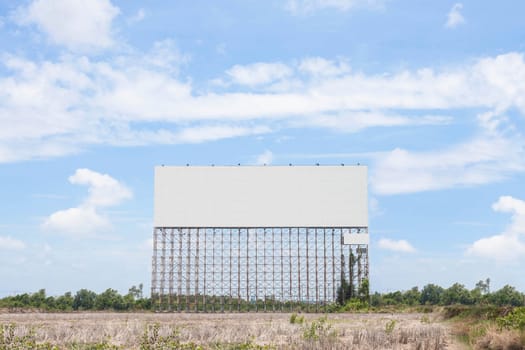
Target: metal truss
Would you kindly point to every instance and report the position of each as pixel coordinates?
(253, 269)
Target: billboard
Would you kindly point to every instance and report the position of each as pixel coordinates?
(261, 196)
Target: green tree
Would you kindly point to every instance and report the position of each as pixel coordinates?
(456, 294)
(393, 298)
(136, 292)
(507, 295)
(64, 302)
(483, 286)
(84, 300)
(109, 299)
(38, 299)
(412, 297)
(376, 300)
(364, 290)
(431, 294)
(345, 292)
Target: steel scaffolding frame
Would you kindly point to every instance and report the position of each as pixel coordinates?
(253, 269)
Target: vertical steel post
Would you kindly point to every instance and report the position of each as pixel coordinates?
(197, 256)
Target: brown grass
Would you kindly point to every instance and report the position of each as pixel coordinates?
(336, 331)
(496, 339)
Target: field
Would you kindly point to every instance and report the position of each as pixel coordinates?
(225, 331)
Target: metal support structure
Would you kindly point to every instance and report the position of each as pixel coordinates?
(210, 269)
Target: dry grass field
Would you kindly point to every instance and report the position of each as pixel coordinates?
(225, 331)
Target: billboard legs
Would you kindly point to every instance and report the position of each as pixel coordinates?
(210, 269)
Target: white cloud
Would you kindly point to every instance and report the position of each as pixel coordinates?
(454, 17)
(81, 221)
(359, 120)
(104, 191)
(212, 133)
(86, 220)
(486, 158)
(508, 204)
(321, 67)
(76, 24)
(139, 16)
(9, 243)
(165, 55)
(53, 108)
(509, 245)
(265, 158)
(396, 246)
(309, 6)
(258, 73)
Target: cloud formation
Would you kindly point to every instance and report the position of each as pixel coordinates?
(258, 73)
(486, 158)
(86, 220)
(509, 245)
(78, 25)
(308, 6)
(9, 243)
(52, 108)
(401, 246)
(454, 17)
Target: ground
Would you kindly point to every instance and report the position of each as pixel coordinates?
(314, 331)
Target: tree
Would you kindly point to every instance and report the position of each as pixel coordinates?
(343, 292)
(364, 290)
(431, 294)
(507, 295)
(136, 292)
(109, 299)
(412, 297)
(376, 299)
(456, 294)
(84, 300)
(64, 302)
(38, 299)
(483, 286)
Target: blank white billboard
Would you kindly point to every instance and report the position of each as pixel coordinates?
(261, 196)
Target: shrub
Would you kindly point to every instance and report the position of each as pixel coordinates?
(295, 319)
(318, 330)
(514, 320)
(389, 327)
(354, 305)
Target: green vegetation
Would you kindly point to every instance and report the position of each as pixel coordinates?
(488, 326)
(389, 327)
(319, 329)
(514, 320)
(83, 300)
(457, 294)
(295, 319)
(348, 300)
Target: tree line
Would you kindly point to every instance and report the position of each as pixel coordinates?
(432, 294)
(82, 300)
(134, 300)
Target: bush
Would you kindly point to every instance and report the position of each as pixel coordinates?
(477, 312)
(318, 330)
(354, 305)
(389, 327)
(294, 319)
(514, 320)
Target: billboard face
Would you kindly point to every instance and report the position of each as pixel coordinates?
(261, 196)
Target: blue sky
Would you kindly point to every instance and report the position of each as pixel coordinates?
(429, 94)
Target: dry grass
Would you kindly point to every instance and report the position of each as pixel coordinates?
(497, 339)
(336, 331)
